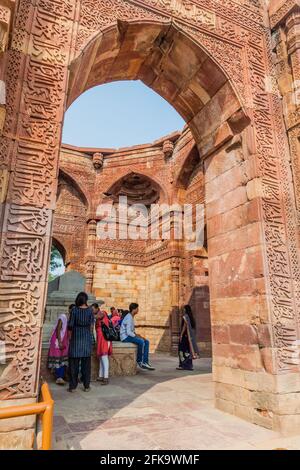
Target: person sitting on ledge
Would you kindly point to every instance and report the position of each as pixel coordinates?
(114, 316)
(127, 335)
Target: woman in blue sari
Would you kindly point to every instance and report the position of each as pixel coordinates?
(188, 348)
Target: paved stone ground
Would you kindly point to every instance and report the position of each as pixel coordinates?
(165, 409)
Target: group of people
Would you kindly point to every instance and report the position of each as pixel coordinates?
(73, 339)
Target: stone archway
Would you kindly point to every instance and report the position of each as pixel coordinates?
(60, 247)
(207, 62)
(146, 189)
(70, 218)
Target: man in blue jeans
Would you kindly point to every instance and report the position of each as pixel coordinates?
(127, 335)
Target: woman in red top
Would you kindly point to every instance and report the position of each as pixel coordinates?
(104, 348)
(115, 317)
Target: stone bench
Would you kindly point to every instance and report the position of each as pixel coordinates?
(122, 362)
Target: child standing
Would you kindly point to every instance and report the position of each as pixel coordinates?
(58, 351)
(104, 348)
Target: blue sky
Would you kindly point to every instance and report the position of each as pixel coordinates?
(119, 114)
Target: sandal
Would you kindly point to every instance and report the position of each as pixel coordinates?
(60, 381)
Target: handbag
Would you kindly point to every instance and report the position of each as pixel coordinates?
(109, 332)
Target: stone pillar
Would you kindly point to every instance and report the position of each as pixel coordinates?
(36, 75)
(175, 313)
(91, 238)
(91, 253)
(5, 26)
(89, 274)
(293, 47)
(293, 110)
(286, 45)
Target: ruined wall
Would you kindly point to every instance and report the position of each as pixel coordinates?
(70, 222)
(119, 285)
(156, 325)
(125, 271)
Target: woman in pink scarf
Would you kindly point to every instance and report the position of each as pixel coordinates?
(115, 316)
(58, 351)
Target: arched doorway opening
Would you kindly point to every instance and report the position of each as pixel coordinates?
(173, 65)
(57, 260)
(71, 213)
(167, 60)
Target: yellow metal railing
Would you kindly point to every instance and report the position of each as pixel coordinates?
(44, 408)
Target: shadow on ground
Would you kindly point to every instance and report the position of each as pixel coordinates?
(165, 409)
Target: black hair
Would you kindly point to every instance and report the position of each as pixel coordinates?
(124, 313)
(112, 308)
(133, 306)
(81, 299)
(188, 311)
(71, 306)
(95, 305)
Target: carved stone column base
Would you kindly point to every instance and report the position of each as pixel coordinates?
(261, 398)
(17, 433)
(122, 363)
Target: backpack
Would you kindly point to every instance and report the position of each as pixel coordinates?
(109, 332)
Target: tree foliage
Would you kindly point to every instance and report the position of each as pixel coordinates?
(56, 262)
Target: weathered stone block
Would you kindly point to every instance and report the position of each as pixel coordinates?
(2, 117)
(240, 239)
(238, 357)
(4, 176)
(254, 189)
(243, 310)
(228, 202)
(221, 162)
(122, 362)
(220, 334)
(287, 425)
(17, 440)
(267, 357)
(246, 264)
(232, 179)
(243, 334)
(15, 424)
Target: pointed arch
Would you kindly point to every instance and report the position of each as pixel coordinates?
(170, 61)
(191, 161)
(139, 187)
(64, 176)
(58, 244)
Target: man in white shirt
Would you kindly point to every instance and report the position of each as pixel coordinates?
(127, 335)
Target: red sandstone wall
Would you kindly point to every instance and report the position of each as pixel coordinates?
(122, 271)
